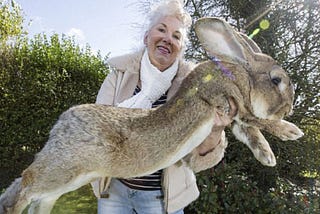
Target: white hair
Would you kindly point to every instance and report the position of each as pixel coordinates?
(170, 8)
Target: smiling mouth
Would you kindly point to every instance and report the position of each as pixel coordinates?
(164, 50)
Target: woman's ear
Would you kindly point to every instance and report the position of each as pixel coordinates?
(145, 38)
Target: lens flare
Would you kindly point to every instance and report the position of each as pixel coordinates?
(263, 25)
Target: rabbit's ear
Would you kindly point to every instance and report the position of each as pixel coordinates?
(218, 38)
(251, 44)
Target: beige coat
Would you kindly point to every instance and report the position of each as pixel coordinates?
(179, 182)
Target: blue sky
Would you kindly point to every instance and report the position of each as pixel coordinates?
(106, 25)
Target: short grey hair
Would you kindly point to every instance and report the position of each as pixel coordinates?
(171, 8)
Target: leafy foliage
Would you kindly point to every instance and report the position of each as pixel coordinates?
(225, 190)
(39, 79)
(11, 21)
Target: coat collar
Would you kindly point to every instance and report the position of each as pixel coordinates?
(128, 62)
(131, 63)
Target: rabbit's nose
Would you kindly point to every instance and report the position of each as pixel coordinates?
(290, 112)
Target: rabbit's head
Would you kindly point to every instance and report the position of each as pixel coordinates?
(269, 89)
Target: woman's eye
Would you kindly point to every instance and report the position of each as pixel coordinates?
(177, 37)
(162, 30)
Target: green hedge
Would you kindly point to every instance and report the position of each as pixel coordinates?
(39, 79)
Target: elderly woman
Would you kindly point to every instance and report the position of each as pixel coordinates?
(146, 79)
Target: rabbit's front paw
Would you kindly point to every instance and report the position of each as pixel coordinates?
(265, 156)
(289, 131)
(256, 142)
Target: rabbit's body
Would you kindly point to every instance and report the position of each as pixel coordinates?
(91, 141)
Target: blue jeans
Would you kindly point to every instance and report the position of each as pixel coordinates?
(124, 200)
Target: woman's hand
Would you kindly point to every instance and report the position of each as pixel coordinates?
(221, 120)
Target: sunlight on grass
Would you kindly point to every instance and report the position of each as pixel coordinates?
(80, 201)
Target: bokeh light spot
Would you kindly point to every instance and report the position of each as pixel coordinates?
(264, 24)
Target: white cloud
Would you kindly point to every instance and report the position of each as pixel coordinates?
(77, 34)
(80, 38)
(37, 25)
(37, 20)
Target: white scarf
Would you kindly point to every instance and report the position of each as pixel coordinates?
(154, 84)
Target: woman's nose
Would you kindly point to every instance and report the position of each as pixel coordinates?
(168, 38)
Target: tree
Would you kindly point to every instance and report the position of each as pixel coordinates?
(292, 39)
(11, 21)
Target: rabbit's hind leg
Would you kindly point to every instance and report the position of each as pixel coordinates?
(43, 202)
(43, 206)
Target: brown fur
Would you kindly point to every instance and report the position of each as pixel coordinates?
(91, 141)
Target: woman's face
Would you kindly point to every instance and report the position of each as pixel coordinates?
(164, 42)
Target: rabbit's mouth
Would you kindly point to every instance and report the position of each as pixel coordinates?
(280, 111)
(288, 111)
(274, 111)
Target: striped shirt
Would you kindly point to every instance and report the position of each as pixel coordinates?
(147, 182)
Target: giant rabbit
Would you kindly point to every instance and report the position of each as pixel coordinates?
(91, 141)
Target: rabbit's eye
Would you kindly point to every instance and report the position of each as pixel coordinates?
(276, 80)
